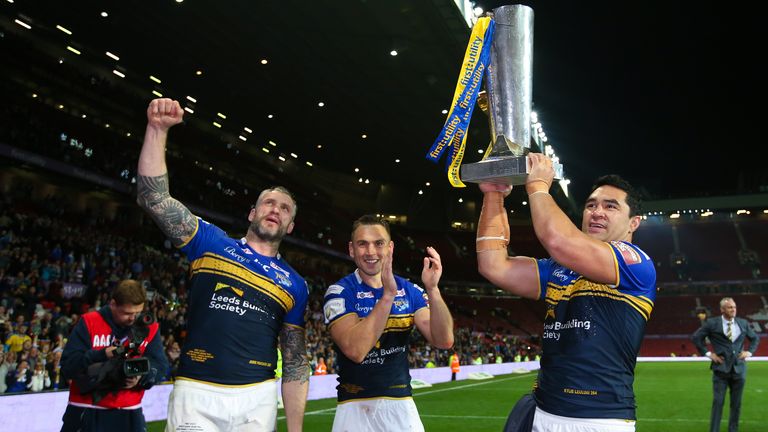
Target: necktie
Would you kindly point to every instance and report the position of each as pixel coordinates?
(728, 332)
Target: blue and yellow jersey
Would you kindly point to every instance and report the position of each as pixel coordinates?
(592, 334)
(238, 302)
(384, 371)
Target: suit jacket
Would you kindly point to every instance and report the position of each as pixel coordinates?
(723, 347)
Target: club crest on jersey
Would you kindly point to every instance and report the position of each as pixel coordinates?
(278, 269)
(401, 305)
(283, 280)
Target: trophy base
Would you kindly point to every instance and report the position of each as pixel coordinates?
(510, 170)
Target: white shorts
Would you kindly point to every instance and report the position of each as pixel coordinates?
(546, 422)
(201, 407)
(377, 415)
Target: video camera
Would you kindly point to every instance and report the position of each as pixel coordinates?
(109, 376)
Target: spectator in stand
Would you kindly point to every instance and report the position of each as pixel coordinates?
(39, 380)
(174, 354)
(19, 378)
(6, 367)
(15, 343)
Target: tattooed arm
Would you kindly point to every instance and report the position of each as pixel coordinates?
(173, 218)
(295, 384)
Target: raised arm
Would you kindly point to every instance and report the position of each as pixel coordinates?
(518, 275)
(152, 190)
(354, 336)
(295, 381)
(565, 242)
(435, 323)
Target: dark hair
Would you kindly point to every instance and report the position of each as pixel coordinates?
(370, 219)
(130, 292)
(633, 196)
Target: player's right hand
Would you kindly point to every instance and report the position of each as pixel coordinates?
(387, 275)
(164, 113)
(495, 187)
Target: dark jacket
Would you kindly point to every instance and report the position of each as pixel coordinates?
(723, 347)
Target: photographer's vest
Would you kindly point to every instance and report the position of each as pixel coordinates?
(101, 337)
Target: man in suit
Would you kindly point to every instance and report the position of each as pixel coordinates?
(726, 335)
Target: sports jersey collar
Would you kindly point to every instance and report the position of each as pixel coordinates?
(249, 250)
(365, 285)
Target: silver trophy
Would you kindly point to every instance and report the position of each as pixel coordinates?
(508, 86)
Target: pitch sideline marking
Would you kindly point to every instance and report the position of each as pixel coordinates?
(424, 393)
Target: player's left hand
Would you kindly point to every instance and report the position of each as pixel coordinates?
(744, 354)
(541, 170)
(433, 269)
(132, 382)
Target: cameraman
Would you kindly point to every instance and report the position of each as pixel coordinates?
(97, 338)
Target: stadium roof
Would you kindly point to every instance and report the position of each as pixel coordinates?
(660, 93)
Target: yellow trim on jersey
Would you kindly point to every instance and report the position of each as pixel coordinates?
(218, 265)
(335, 320)
(180, 378)
(185, 242)
(582, 287)
(423, 307)
(375, 398)
(285, 324)
(538, 277)
(615, 264)
(399, 323)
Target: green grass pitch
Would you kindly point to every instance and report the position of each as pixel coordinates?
(671, 396)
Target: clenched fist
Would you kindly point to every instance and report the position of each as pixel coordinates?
(164, 113)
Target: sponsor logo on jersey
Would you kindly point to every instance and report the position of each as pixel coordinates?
(400, 293)
(333, 308)
(364, 295)
(233, 253)
(561, 274)
(220, 286)
(334, 289)
(363, 309)
(628, 253)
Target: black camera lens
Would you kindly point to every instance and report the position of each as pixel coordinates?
(136, 366)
